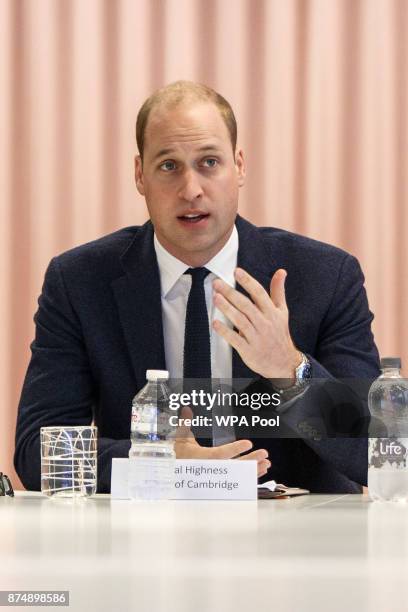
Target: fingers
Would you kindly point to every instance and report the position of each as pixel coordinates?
(263, 467)
(240, 310)
(188, 448)
(237, 318)
(231, 450)
(261, 456)
(238, 342)
(254, 288)
(186, 412)
(257, 455)
(277, 289)
(185, 444)
(183, 432)
(234, 298)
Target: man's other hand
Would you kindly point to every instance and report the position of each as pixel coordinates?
(187, 447)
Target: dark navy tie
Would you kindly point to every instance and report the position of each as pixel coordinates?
(197, 347)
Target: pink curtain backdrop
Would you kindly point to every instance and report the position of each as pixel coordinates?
(320, 90)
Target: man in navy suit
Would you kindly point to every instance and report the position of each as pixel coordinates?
(279, 306)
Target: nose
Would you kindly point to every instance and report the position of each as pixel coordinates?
(190, 188)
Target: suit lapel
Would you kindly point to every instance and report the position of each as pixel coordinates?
(256, 259)
(138, 298)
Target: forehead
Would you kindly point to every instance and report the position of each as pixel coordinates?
(186, 125)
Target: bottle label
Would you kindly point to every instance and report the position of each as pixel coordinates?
(144, 419)
(387, 452)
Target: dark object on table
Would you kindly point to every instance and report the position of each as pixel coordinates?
(275, 491)
(5, 485)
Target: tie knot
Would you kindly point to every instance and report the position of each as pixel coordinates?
(197, 274)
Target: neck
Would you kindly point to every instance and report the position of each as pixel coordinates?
(195, 259)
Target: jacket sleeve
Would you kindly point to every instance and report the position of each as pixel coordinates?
(345, 363)
(58, 388)
(331, 416)
(346, 347)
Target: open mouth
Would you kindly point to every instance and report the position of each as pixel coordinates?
(193, 218)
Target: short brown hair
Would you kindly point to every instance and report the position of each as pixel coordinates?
(181, 91)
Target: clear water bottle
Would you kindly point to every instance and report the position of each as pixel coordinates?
(388, 456)
(151, 455)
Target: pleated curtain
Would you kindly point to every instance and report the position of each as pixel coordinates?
(320, 91)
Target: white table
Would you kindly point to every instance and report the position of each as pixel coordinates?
(318, 552)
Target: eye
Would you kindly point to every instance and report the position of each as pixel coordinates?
(212, 162)
(167, 165)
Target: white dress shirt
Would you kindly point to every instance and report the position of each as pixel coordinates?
(175, 288)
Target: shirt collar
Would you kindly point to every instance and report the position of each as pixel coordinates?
(221, 265)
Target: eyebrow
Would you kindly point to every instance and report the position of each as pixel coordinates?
(203, 148)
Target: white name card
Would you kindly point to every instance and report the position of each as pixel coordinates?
(198, 479)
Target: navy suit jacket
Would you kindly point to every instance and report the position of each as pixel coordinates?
(99, 328)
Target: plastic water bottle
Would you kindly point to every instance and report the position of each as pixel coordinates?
(151, 455)
(388, 457)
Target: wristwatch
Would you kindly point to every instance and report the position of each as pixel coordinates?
(303, 373)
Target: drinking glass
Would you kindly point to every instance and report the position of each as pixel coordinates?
(69, 461)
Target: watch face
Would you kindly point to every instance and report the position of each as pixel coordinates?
(304, 371)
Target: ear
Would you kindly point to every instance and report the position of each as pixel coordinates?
(139, 175)
(240, 166)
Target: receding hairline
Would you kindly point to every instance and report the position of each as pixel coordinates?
(182, 93)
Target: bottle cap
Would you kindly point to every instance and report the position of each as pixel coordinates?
(157, 375)
(391, 362)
